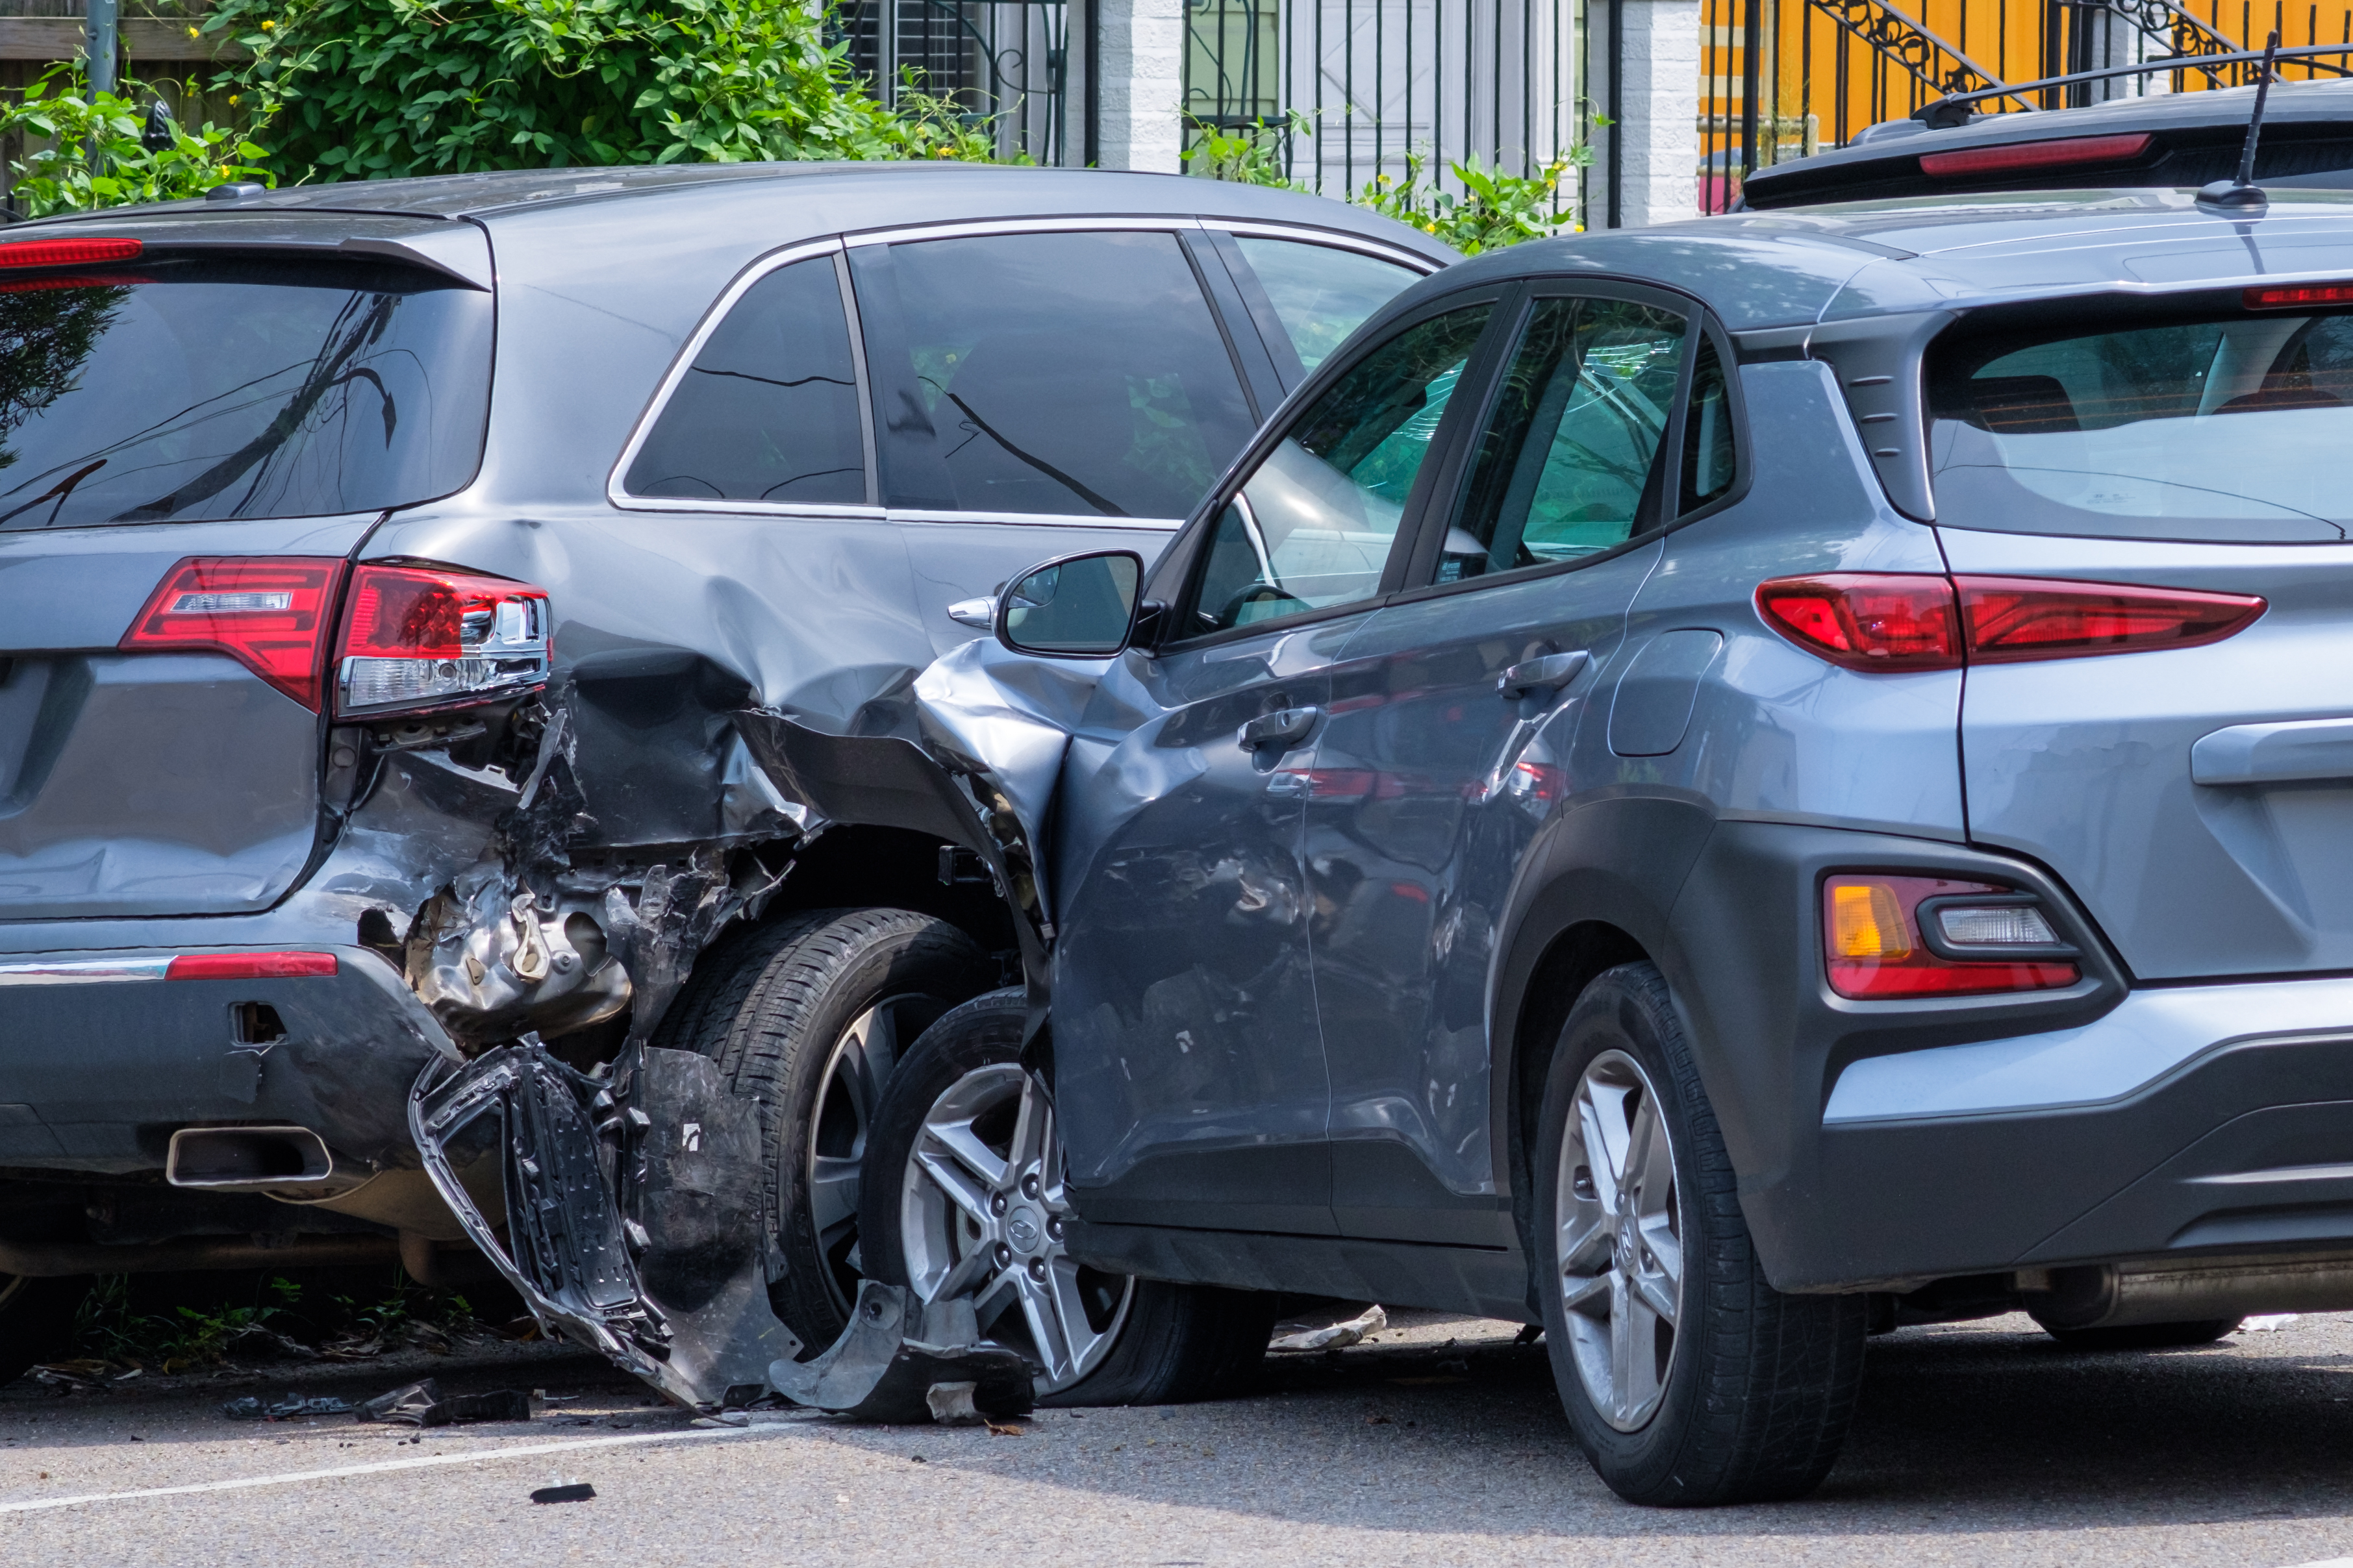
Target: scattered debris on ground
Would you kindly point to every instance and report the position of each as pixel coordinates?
(422, 1403)
(1331, 1336)
(292, 1407)
(573, 1492)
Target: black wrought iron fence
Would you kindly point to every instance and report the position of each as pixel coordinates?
(1375, 82)
(999, 62)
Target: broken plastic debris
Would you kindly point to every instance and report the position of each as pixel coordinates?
(1298, 1337)
(2269, 1323)
(883, 1368)
(576, 1491)
(951, 1403)
(292, 1407)
(424, 1404)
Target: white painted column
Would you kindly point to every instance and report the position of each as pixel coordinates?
(1660, 147)
(1143, 62)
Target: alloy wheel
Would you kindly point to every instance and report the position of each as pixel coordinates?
(982, 1215)
(855, 1071)
(1619, 1245)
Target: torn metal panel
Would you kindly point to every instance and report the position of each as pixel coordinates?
(631, 1208)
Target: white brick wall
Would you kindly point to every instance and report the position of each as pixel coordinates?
(1142, 84)
(1660, 166)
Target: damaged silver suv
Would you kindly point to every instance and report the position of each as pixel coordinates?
(384, 574)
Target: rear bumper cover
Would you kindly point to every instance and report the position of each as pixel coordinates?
(1882, 1145)
(101, 1057)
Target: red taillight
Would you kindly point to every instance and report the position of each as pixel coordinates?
(417, 638)
(2018, 157)
(1891, 621)
(2008, 619)
(2286, 296)
(1867, 621)
(67, 252)
(250, 966)
(1876, 948)
(270, 613)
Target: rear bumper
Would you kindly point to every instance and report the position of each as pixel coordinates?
(101, 1057)
(1880, 1146)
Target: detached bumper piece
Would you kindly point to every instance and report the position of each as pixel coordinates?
(632, 1216)
(890, 1370)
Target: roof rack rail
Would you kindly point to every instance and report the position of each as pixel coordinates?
(1952, 110)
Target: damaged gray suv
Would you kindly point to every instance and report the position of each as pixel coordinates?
(386, 571)
(1713, 789)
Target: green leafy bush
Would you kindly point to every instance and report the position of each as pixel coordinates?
(1493, 209)
(377, 88)
(96, 153)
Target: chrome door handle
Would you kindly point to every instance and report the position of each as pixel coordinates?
(1550, 673)
(1285, 727)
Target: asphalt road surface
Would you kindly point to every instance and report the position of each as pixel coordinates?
(1441, 1443)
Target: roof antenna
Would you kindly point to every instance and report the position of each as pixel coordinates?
(2243, 192)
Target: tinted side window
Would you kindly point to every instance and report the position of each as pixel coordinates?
(1312, 527)
(1573, 461)
(1316, 294)
(1049, 373)
(198, 391)
(768, 412)
(1710, 459)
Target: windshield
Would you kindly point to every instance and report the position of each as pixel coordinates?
(2226, 430)
(194, 392)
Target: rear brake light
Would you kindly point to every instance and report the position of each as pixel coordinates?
(67, 252)
(249, 965)
(1897, 621)
(2019, 156)
(1878, 947)
(2008, 619)
(270, 613)
(1863, 621)
(2283, 295)
(417, 638)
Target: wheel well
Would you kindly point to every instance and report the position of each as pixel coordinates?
(1571, 962)
(890, 867)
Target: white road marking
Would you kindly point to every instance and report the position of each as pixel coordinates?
(422, 1461)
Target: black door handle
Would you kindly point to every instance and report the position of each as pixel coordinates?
(1550, 673)
(1285, 727)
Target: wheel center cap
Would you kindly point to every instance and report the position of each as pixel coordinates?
(1625, 1252)
(1022, 1229)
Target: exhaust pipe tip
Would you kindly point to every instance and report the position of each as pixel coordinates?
(259, 1159)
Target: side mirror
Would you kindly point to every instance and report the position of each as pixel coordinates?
(1080, 606)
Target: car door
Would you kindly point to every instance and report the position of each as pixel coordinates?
(1187, 1056)
(1449, 741)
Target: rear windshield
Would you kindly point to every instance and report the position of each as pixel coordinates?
(194, 392)
(2226, 430)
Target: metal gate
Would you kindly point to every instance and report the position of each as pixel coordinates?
(1780, 78)
(1000, 62)
(1375, 81)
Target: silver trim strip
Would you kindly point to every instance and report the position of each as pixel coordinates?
(976, 228)
(84, 970)
(1041, 520)
(1338, 241)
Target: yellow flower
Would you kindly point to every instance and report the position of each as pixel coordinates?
(232, 100)
(269, 27)
(194, 32)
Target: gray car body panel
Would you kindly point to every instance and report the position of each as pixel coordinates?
(1860, 1131)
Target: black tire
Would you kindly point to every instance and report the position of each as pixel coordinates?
(2143, 1336)
(36, 1320)
(1177, 1344)
(773, 1010)
(1751, 1396)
